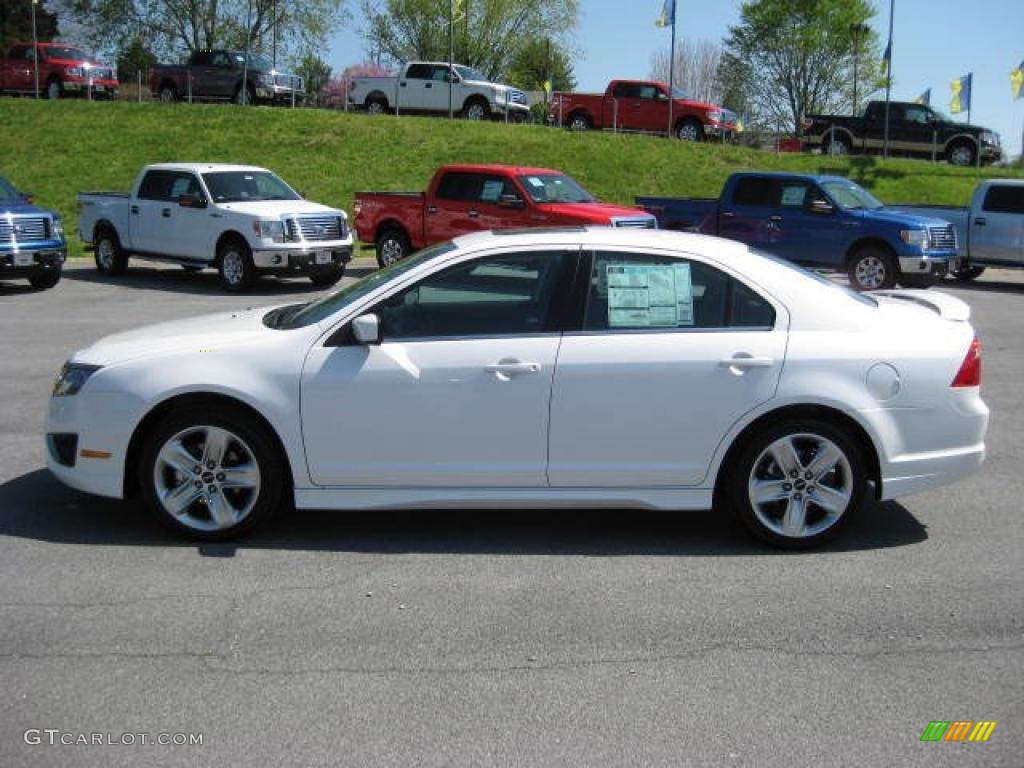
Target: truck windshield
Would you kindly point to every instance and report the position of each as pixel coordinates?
(247, 186)
(554, 188)
(468, 73)
(8, 194)
(63, 52)
(679, 93)
(301, 315)
(851, 196)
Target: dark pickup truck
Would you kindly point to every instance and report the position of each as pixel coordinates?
(223, 75)
(825, 222)
(915, 130)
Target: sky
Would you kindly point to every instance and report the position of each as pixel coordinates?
(934, 42)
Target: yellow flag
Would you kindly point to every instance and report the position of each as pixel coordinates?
(1017, 81)
(546, 86)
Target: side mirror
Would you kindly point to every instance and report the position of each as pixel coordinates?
(822, 207)
(366, 329)
(512, 201)
(28, 197)
(191, 202)
(662, 96)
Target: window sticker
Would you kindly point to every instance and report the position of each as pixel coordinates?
(649, 296)
(535, 182)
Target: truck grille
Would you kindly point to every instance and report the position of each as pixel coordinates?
(317, 228)
(641, 222)
(516, 96)
(101, 73)
(288, 81)
(23, 230)
(942, 237)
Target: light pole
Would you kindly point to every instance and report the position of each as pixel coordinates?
(857, 30)
(888, 80)
(35, 48)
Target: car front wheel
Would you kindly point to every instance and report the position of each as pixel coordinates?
(872, 269)
(211, 473)
(795, 484)
(237, 272)
(45, 279)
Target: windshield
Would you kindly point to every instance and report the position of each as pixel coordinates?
(301, 315)
(851, 196)
(839, 288)
(679, 93)
(247, 186)
(64, 52)
(554, 188)
(8, 194)
(468, 73)
(255, 61)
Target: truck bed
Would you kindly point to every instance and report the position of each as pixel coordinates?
(683, 214)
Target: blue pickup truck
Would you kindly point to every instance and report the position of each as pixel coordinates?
(32, 241)
(821, 222)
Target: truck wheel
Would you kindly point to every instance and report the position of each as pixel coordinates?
(246, 95)
(110, 257)
(168, 94)
(872, 269)
(579, 122)
(966, 273)
(690, 130)
(962, 154)
(44, 280)
(53, 89)
(234, 261)
(476, 109)
(392, 247)
(328, 278)
(376, 107)
(837, 145)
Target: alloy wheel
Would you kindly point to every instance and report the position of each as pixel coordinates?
(105, 253)
(233, 267)
(870, 273)
(475, 111)
(391, 251)
(688, 132)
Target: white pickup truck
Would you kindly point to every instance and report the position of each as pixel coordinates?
(242, 220)
(423, 87)
(990, 231)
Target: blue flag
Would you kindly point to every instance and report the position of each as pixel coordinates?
(668, 14)
(961, 101)
(887, 59)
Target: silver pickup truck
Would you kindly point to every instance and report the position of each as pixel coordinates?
(990, 231)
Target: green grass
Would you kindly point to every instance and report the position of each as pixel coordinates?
(58, 149)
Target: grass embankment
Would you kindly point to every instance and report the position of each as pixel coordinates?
(57, 149)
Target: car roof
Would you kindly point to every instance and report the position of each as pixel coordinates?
(515, 170)
(202, 167)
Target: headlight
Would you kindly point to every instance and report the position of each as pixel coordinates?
(918, 237)
(73, 71)
(988, 137)
(57, 228)
(265, 78)
(270, 230)
(72, 378)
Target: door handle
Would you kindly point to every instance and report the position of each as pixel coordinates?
(429, 85)
(775, 218)
(432, 209)
(402, 85)
(728, 215)
(135, 210)
(742, 361)
(506, 369)
(981, 221)
(474, 214)
(165, 212)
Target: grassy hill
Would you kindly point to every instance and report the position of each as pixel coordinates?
(58, 149)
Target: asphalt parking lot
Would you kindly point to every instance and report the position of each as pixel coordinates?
(499, 638)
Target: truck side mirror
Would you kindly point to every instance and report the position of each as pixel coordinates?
(366, 329)
(28, 197)
(511, 201)
(822, 207)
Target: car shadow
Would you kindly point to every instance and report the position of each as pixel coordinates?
(36, 506)
(984, 285)
(10, 288)
(207, 282)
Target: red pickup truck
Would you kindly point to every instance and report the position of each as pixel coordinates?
(642, 105)
(63, 70)
(469, 198)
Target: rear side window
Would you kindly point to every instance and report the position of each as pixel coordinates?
(1005, 199)
(419, 72)
(657, 293)
(156, 185)
(754, 191)
(202, 58)
(460, 186)
(626, 91)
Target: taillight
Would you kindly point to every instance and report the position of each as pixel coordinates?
(969, 374)
(357, 207)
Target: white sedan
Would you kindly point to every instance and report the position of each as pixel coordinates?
(551, 368)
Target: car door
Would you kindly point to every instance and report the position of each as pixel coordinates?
(501, 204)
(455, 209)
(222, 75)
(19, 69)
(745, 213)
(412, 87)
(997, 231)
(457, 392)
(653, 112)
(801, 233)
(435, 91)
(622, 110)
(912, 133)
(146, 211)
(671, 354)
(183, 231)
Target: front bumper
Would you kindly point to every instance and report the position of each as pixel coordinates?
(84, 87)
(27, 262)
(929, 262)
(280, 93)
(514, 109)
(722, 131)
(309, 259)
(990, 153)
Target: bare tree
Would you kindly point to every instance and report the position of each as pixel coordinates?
(696, 69)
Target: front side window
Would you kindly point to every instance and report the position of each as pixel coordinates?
(917, 115)
(184, 185)
(247, 186)
(640, 292)
(498, 295)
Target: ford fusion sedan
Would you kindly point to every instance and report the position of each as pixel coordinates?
(574, 367)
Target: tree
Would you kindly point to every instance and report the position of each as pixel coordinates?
(315, 76)
(538, 60)
(800, 54)
(134, 58)
(335, 93)
(404, 30)
(696, 69)
(16, 22)
(177, 26)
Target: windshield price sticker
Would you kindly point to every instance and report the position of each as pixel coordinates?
(649, 296)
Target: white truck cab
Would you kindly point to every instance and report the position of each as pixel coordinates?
(242, 220)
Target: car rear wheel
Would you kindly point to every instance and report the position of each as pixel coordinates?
(967, 273)
(392, 247)
(579, 123)
(109, 256)
(168, 94)
(45, 280)
(690, 130)
(234, 261)
(211, 473)
(376, 107)
(837, 145)
(796, 483)
(872, 269)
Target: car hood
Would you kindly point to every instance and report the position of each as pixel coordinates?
(199, 334)
(904, 219)
(594, 213)
(276, 208)
(78, 63)
(20, 209)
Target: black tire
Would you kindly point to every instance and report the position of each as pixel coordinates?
(191, 268)
(476, 109)
(45, 279)
(328, 277)
(844, 480)
(168, 93)
(376, 106)
(579, 122)
(837, 144)
(235, 265)
(392, 246)
(872, 268)
(111, 260)
(963, 154)
(690, 129)
(926, 280)
(246, 95)
(54, 90)
(250, 444)
(964, 274)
